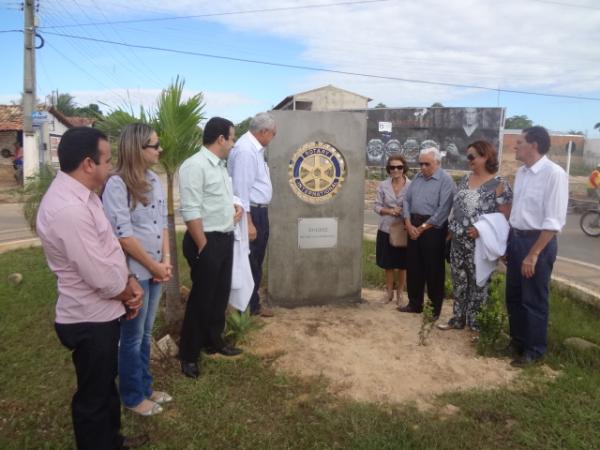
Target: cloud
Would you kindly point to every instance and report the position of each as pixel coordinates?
(513, 44)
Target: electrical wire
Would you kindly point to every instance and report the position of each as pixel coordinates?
(228, 13)
(321, 69)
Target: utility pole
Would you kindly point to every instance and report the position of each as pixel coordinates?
(31, 154)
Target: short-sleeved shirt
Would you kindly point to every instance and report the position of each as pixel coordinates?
(469, 203)
(206, 191)
(541, 197)
(430, 197)
(144, 222)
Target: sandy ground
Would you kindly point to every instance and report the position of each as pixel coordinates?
(370, 352)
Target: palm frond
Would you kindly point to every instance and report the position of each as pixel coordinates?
(177, 123)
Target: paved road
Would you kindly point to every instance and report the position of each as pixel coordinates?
(573, 244)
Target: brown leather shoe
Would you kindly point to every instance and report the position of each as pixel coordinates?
(266, 312)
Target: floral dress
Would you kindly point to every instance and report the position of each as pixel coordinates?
(468, 205)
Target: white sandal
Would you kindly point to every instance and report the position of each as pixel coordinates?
(152, 411)
(161, 397)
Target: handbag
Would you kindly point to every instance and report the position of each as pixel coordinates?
(398, 234)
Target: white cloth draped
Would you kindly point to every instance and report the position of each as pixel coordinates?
(490, 245)
(242, 283)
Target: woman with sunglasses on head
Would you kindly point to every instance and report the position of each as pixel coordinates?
(388, 204)
(134, 203)
(479, 192)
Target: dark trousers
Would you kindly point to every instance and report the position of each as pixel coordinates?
(258, 249)
(426, 266)
(96, 409)
(204, 319)
(527, 298)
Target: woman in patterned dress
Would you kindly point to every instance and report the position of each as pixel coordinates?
(480, 192)
(388, 204)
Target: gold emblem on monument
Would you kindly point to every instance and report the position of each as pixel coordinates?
(317, 171)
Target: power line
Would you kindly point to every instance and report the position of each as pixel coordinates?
(229, 13)
(11, 31)
(321, 69)
(570, 5)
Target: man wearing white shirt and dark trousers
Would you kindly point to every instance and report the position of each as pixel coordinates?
(252, 185)
(539, 212)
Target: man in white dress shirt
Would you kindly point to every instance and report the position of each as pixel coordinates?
(252, 185)
(539, 212)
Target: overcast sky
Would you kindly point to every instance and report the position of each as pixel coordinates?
(525, 45)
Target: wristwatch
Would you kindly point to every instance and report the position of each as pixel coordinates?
(133, 275)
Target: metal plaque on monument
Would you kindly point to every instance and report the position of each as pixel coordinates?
(317, 165)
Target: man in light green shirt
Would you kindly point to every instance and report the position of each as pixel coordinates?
(209, 214)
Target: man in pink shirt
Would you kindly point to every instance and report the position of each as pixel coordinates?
(94, 288)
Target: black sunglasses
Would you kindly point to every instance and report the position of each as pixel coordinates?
(154, 146)
(395, 168)
(426, 164)
(471, 157)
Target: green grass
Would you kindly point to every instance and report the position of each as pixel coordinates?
(244, 403)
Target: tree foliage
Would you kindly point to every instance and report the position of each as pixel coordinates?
(518, 122)
(242, 127)
(65, 103)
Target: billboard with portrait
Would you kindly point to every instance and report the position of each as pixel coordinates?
(451, 130)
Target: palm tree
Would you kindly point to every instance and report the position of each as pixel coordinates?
(177, 123)
(65, 103)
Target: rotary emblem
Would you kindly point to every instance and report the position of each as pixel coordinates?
(317, 171)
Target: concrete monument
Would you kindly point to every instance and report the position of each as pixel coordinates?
(317, 165)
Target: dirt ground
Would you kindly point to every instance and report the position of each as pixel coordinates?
(370, 352)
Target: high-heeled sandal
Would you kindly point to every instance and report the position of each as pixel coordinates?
(152, 411)
(160, 397)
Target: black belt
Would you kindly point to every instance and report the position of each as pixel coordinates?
(517, 232)
(259, 205)
(419, 217)
(219, 233)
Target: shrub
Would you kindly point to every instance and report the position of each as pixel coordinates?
(238, 325)
(427, 321)
(491, 318)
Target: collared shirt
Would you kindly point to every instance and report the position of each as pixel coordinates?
(82, 251)
(145, 222)
(206, 191)
(250, 172)
(540, 197)
(386, 198)
(430, 197)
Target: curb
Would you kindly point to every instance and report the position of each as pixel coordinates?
(20, 244)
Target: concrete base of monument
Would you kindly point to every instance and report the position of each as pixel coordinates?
(368, 351)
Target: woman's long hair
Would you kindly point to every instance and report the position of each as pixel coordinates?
(131, 165)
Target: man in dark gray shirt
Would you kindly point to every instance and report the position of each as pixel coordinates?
(427, 204)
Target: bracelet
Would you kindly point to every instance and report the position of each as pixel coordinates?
(132, 275)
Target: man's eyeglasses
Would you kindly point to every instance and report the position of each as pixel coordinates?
(395, 168)
(154, 146)
(471, 156)
(424, 164)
